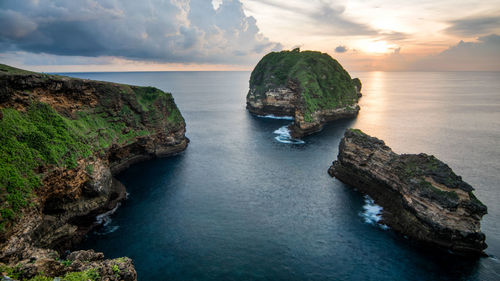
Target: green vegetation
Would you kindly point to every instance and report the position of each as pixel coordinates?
(38, 138)
(90, 274)
(357, 83)
(16, 273)
(66, 262)
(121, 259)
(474, 199)
(357, 132)
(13, 272)
(116, 269)
(12, 70)
(323, 82)
(438, 193)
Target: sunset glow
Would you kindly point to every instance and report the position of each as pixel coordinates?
(235, 34)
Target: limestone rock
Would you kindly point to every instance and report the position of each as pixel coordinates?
(421, 196)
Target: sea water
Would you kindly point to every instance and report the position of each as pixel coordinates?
(239, 204)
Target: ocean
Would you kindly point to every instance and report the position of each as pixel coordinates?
(242, 203)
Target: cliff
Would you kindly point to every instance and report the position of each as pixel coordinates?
(421, 196)
(62, 140)
(310, 86)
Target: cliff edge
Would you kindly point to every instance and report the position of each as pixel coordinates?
(310, 86)
(63, 139)
(421, 196)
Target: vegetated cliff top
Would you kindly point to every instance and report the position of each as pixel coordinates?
(322, 81)
(50, 122)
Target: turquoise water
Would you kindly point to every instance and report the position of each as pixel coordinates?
(239, 205)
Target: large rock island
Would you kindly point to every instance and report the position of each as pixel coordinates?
(310, 86)
(421, 196)
(62, 140)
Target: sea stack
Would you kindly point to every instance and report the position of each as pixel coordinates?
(422, 197)
(310, 86)
(62, 140)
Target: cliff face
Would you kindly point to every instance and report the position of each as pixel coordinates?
(310, 86)
(421, 196)
(62, 140)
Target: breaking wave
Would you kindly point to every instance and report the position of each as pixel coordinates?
(372, 213)
(271, 116)
(104, 220)
(285, 137)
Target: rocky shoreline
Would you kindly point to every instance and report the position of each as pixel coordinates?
(121, 125)
(422, 198)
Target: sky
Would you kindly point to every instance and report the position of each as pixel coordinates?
(154, 35)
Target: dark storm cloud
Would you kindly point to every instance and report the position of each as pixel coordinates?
(474, 26)
(155, 30)
(340, 49)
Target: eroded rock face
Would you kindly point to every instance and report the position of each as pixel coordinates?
(421, 196)
(64, 207)
(310, 86)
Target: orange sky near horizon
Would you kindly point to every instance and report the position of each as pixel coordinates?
(363, 35)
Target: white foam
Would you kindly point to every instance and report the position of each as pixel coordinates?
(285, 137)
(372, 213)
(104, 220)
(271, 116)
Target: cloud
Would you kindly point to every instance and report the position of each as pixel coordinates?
(341, 49)
(483, 55)
(320, 17)
(155, 30)
(474, 26)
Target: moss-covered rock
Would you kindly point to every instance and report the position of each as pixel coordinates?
(62, 140)
(311, 86)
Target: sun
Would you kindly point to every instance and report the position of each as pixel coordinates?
(378, 47)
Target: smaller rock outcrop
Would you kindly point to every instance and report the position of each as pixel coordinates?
(421, 196)
(44, 264)
(310, 86)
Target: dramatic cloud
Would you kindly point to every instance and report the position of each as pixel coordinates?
(155, 30)
(481, 55)
(340, 49)
(474, 26)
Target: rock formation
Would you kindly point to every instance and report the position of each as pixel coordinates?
(421, 196)
(63, 139)
(310, 86)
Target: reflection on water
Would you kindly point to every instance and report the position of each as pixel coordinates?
(374, 107)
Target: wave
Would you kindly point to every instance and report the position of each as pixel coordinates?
(372, 213)
(271, 116)
(104, 220)
(285, 137)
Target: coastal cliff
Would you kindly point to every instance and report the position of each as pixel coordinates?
(421, 196)
(63, 139)
(310, 86)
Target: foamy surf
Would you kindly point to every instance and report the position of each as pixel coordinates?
(104, 220)
(271, 116)
(285, 137)
(372, 213)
